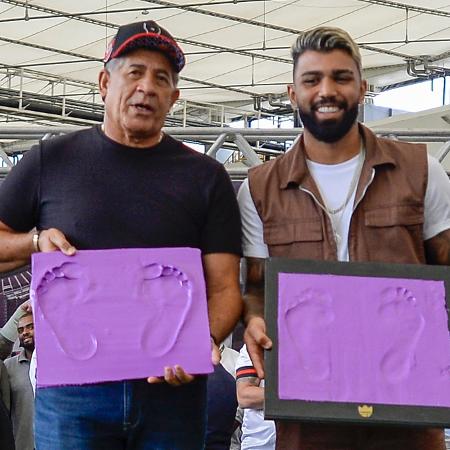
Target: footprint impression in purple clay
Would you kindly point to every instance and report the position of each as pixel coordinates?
(60, 294)
(402, 320)
(168, 294)
(308, 318)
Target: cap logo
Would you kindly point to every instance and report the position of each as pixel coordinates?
(153, 29)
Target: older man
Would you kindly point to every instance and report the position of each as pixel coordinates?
(128, 184)
(341, 193)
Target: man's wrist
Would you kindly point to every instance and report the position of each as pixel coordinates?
(213, 340)
(249, 317)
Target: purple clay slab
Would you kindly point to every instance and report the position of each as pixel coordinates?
(363, 340)
(107, 315)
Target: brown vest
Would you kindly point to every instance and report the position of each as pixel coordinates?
(386, 226)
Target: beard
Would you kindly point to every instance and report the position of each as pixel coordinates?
(28, 346)
(331, 130)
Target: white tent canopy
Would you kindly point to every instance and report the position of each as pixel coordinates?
(237, 50)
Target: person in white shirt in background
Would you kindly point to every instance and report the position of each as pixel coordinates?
(257, 433)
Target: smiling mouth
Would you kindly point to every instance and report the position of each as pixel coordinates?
(326, 109)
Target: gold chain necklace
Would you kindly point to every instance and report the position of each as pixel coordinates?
(353, 183)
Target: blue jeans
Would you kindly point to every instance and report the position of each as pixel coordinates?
(131, 415)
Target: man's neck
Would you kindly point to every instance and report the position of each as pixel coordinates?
(131, 140)
(28, 354)
(334, 152)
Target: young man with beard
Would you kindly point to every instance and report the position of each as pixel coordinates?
(127, 184)
(22, 399)
(340, 193)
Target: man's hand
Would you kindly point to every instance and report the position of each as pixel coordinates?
(175, 376)
(26, 307)
(257, 341)
(215, 352)
(16, 247)
(53, 239)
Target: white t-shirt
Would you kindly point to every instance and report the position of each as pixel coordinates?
(257, 433)
(32, 371)
(334, 182)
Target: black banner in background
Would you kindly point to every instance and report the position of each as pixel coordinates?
(14, 290)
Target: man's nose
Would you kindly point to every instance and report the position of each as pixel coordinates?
(146, 85)
(327, 87)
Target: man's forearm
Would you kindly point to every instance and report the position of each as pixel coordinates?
(223, 291)
(9, 266)
(254, 289)
(6, 347)
(253, 306)
(438, 249)
(9, 330)
(249, 395)
(15, 248)
(224, 312)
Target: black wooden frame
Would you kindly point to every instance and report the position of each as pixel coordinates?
(276, 408)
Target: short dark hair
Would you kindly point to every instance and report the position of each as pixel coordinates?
(326, 39)
(26, 314)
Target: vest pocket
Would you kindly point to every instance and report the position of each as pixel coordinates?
(395, 233)
(391, 216)
(300, 239)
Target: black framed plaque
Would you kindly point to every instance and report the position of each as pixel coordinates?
(358, 342)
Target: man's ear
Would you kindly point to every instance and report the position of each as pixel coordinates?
(292, 96)
(103, 82)
(175, 96)
(363, 91)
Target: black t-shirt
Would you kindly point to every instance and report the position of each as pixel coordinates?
(101, 195)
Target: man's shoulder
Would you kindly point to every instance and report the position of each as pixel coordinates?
(276, 166)
(388, 144)
(69, 139)
(11, 361)
(189, 156)
(395, 145)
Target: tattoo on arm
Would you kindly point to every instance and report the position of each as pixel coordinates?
(254, 381)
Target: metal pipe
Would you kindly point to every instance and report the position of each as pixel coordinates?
(413, 71)
(211, 132)
(63, 113)
(251, 158)
(217, 145)
(443, 151)
(276, 134)
(4, 157)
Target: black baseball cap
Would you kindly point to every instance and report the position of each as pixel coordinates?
(148, 35)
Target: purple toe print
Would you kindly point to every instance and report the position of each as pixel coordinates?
(169, 292)
(308, 317)
(61, 291)
(400, 316)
